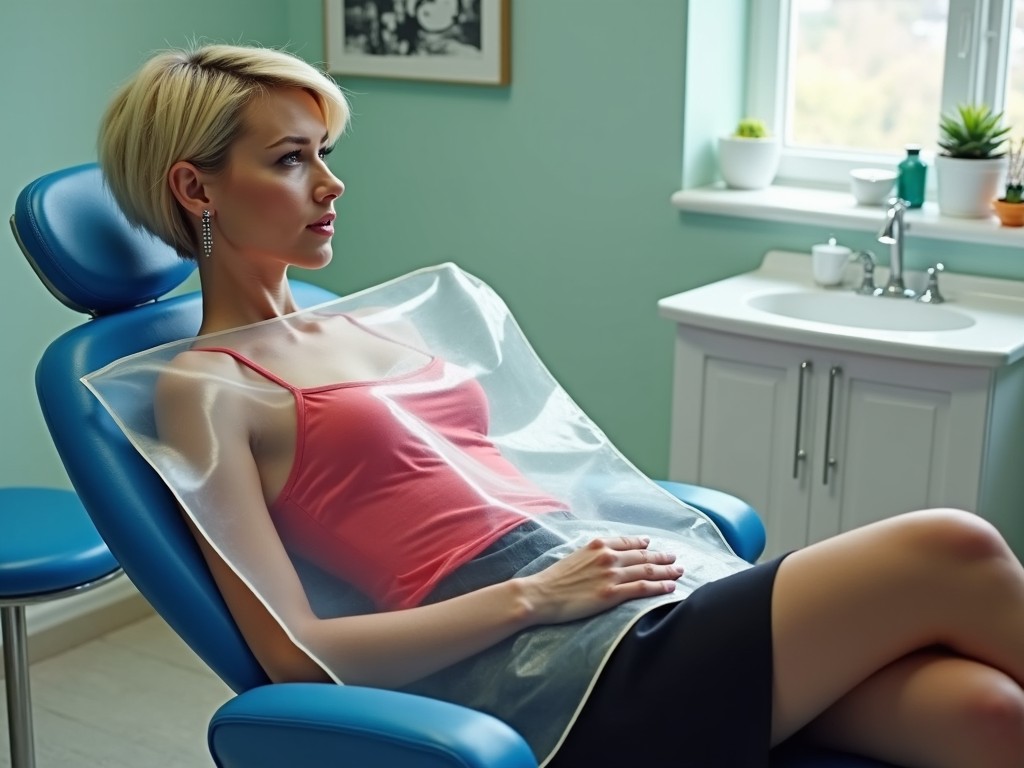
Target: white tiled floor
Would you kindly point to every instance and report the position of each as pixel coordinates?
(136, 698)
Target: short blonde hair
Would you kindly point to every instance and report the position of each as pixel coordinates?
(187, 105)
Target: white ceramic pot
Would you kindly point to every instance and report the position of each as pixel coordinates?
(966, 188)
(748, 163)
(872, 186)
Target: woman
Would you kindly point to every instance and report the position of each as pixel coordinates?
(902, 640)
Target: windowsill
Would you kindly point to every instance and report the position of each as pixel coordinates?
(828, 208)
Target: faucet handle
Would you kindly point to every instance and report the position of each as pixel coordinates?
(867, 262)
(931, 293)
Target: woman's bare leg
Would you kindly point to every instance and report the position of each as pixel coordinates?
(930, 710)
(846, 608)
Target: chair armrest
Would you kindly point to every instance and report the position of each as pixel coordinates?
(736, 519)
(318, 724)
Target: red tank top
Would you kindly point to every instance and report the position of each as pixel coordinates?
(372, 496)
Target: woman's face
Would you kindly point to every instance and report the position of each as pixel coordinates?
(275, 198)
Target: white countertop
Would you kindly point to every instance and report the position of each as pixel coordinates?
(997, 307)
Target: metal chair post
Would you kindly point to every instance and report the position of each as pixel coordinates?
(19, 701)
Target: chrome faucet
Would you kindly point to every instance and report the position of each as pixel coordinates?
(892, 235)
(867, 284)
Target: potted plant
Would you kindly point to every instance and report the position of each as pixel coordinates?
(971, 167)
(749, 157)
(1010, 207)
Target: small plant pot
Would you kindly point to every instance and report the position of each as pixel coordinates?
(966, 187)
(1010, 214)
(748, 163)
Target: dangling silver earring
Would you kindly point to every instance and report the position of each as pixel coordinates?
(207, 235)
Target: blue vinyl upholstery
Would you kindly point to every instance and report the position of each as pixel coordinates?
(363, 726)
(63, 217)
(736, 519)
(49, 548)
(48, 545)
(103, 269)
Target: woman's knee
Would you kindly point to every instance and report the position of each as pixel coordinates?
(993, 716)
(931, 708)
(953, 535)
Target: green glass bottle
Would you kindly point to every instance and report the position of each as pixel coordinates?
(910, 181)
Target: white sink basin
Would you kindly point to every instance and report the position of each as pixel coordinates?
(980, 324)
(853, 310)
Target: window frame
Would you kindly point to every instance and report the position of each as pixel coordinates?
(979, 30)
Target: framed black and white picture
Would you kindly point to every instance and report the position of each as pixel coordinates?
(459, 41)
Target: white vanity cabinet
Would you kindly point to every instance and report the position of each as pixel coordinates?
(819, 441)
(825, 410)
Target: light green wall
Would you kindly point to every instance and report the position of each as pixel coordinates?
(715, 49)
(554, 190)
(60, 60)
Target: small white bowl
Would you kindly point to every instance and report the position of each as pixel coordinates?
(872, 186)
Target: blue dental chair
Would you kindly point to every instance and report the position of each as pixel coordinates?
(83, 250)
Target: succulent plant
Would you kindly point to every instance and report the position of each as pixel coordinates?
(1015, 173)
(751, 128)
(974, 133)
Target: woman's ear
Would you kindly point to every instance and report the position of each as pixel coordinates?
(188, 188)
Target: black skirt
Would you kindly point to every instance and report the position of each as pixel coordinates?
(690, 684)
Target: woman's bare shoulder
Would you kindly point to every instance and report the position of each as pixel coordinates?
(200, 411)
(191, 370)
(193, 378)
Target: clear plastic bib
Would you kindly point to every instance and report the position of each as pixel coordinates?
(407, 346)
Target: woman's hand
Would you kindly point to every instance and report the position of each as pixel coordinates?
(597, 577)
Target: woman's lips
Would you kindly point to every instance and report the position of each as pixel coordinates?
(324, 226)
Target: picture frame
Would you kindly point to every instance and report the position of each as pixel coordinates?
(454, 41)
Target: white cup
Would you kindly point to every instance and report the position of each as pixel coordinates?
(828, 263)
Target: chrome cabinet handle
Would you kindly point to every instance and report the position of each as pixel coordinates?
(830, 461)
(799, 453)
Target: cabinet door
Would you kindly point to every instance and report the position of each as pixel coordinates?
(901, 436)
(735, 426)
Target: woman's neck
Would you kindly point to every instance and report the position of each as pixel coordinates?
(229, 302)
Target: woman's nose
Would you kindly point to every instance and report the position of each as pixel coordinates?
(330, 187)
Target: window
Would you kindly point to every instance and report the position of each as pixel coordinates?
(1015, 74)
(852, 82)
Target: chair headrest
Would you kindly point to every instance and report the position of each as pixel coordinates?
(84, 250)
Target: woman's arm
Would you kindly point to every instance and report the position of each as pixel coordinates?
(385, 649)
(398, 647)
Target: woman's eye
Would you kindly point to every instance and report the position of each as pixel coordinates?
(295, 157)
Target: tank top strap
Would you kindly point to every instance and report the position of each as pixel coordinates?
(252, 365)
